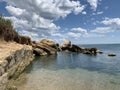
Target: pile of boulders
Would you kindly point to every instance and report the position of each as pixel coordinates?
(69, 47)
(44, 47)
(49, 47)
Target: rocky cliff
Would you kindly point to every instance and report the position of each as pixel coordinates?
(13, 60)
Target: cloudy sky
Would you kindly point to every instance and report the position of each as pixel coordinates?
(81, 21)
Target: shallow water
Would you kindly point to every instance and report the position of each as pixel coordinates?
(73, 71)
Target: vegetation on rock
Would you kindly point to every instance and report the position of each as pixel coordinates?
(8, 32)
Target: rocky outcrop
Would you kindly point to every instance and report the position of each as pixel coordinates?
(65, 44)
(49, 43)
(90, 51)
(69, 47)
(44, 47)
(13, 60)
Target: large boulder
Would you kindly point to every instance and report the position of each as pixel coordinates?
(49, 50)
(44, 47)
(65, 45)
(49, 43)
(74, 48)
(39, 52)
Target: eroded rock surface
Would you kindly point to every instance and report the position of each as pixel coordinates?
(44, 47)
(13, 60)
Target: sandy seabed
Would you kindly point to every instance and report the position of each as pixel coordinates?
(67, 79)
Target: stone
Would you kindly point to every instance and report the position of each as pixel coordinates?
(49, 43)
(100, 52)
(39, 52)
(12, 88)
(112, 54)
(3, 81)
(65, 44)
(14, 58)
(49, 50)
(44, 47)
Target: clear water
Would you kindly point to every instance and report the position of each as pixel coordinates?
(73, 71)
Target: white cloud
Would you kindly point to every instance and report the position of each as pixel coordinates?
(19, 22)
(15, 11)
(113, 21)
(97, 13)
(101, 12)
(109, 25)
(84, 12)
(79, 9)
(73, 35)
(57, 35)
(93, 4)
(37, 16)
(102, 30)
(79, 30)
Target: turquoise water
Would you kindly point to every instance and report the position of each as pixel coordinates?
(73, 71)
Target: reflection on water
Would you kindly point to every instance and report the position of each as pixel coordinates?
(71, 71)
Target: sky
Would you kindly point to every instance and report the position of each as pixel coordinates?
(80, 21)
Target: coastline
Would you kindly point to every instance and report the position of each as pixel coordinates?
(17, 57)
(14, 58)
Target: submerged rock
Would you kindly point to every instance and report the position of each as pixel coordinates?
(111, 54)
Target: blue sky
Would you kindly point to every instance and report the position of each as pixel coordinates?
(80, 21)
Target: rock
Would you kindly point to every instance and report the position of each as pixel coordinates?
(87, 52)
(75, 48)
(49, 43)
(65, 44)
(111, 54)
(14, 58)
(91, 51)
(39, 52)
(12, 88)
(45, 47)
(49, 50)
(100, 52)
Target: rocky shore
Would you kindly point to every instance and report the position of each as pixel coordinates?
(17, 51)
(14, 58)
(48, 47)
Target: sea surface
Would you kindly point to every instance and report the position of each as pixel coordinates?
(74, 71)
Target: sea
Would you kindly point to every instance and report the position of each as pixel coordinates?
(73, 71)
